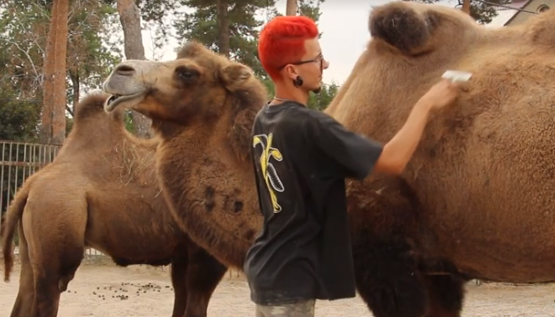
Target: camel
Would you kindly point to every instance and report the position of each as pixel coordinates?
(101, 191)
(473, 203)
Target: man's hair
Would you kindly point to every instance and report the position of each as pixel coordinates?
(282, 41)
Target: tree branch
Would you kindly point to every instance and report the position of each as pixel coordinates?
(68, 109)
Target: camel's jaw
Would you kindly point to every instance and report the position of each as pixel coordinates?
(127, 101)
(129, 84)
(125, 91)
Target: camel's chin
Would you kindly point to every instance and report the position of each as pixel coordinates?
(127, 101)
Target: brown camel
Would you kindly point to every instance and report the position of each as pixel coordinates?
(202, 106)
(101, 191)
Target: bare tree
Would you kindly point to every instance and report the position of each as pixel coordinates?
(53, 120)
(130, 19)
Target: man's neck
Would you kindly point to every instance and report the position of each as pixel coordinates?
(284, 93)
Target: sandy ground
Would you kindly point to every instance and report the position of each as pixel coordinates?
(96, 291)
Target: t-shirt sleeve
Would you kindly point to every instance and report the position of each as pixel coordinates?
(354, 152)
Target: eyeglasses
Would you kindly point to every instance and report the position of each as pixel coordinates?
(319, 59)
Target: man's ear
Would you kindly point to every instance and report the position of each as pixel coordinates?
(235, 75)
(291, 71)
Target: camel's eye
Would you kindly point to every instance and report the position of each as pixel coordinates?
(187, 75)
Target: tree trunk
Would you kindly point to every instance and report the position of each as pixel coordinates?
(223, 27)
(291, 8)
(466, 6)
(130, 19)
(53, 118)
(74, 75)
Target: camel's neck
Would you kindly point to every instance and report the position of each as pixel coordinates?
(211, 189)
(167, 130)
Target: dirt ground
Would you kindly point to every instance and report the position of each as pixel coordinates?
(96, 291)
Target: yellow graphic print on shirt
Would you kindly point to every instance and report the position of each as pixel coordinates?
(273, 183)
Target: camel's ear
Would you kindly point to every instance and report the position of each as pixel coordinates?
(399, 25)
(235, 75)
(190, 49)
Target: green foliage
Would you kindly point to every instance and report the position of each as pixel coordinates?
(157, 17)
(89, 31)
(310, 8)
(155, 10)
(18, 118)
(482, 12)
(322, 100)
(92, 51)
(25, 26)
(318, 101)
(202, 25)
(128, 121)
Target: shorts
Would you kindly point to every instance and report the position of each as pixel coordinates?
(300, 309)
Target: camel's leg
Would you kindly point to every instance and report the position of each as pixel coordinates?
(179, 282)
(25, 296)
(446, 295)
(56, 248)
(204, 273)
(51, 280)
(387, 277)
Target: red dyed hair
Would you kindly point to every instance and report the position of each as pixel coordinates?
(282, 41)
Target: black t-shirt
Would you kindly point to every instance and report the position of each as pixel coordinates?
(301, 159)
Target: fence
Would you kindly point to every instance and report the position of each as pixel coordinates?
(18, 161)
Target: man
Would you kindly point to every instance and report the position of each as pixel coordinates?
(301, 159)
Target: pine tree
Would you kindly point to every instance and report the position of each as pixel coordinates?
(231, 30)
(240, 41)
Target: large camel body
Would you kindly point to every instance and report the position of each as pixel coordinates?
(101, 191)
(482, 177)
(476, 201)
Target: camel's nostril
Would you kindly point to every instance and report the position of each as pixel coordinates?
(125, 70)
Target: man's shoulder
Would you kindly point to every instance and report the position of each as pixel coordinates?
(318, 116)
(308, 115)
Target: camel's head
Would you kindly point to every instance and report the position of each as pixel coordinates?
(199, 85)
(415, 28)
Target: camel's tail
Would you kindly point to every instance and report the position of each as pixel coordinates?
(13, 215)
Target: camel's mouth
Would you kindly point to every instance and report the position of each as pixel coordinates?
(116, 100)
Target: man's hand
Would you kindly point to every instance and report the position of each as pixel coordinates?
(398, 151)
(441, 94)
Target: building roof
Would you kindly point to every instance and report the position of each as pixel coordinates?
(507, 12)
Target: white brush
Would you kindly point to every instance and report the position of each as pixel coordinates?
(456, 76)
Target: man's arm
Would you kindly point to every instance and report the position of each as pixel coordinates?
(359, 154)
